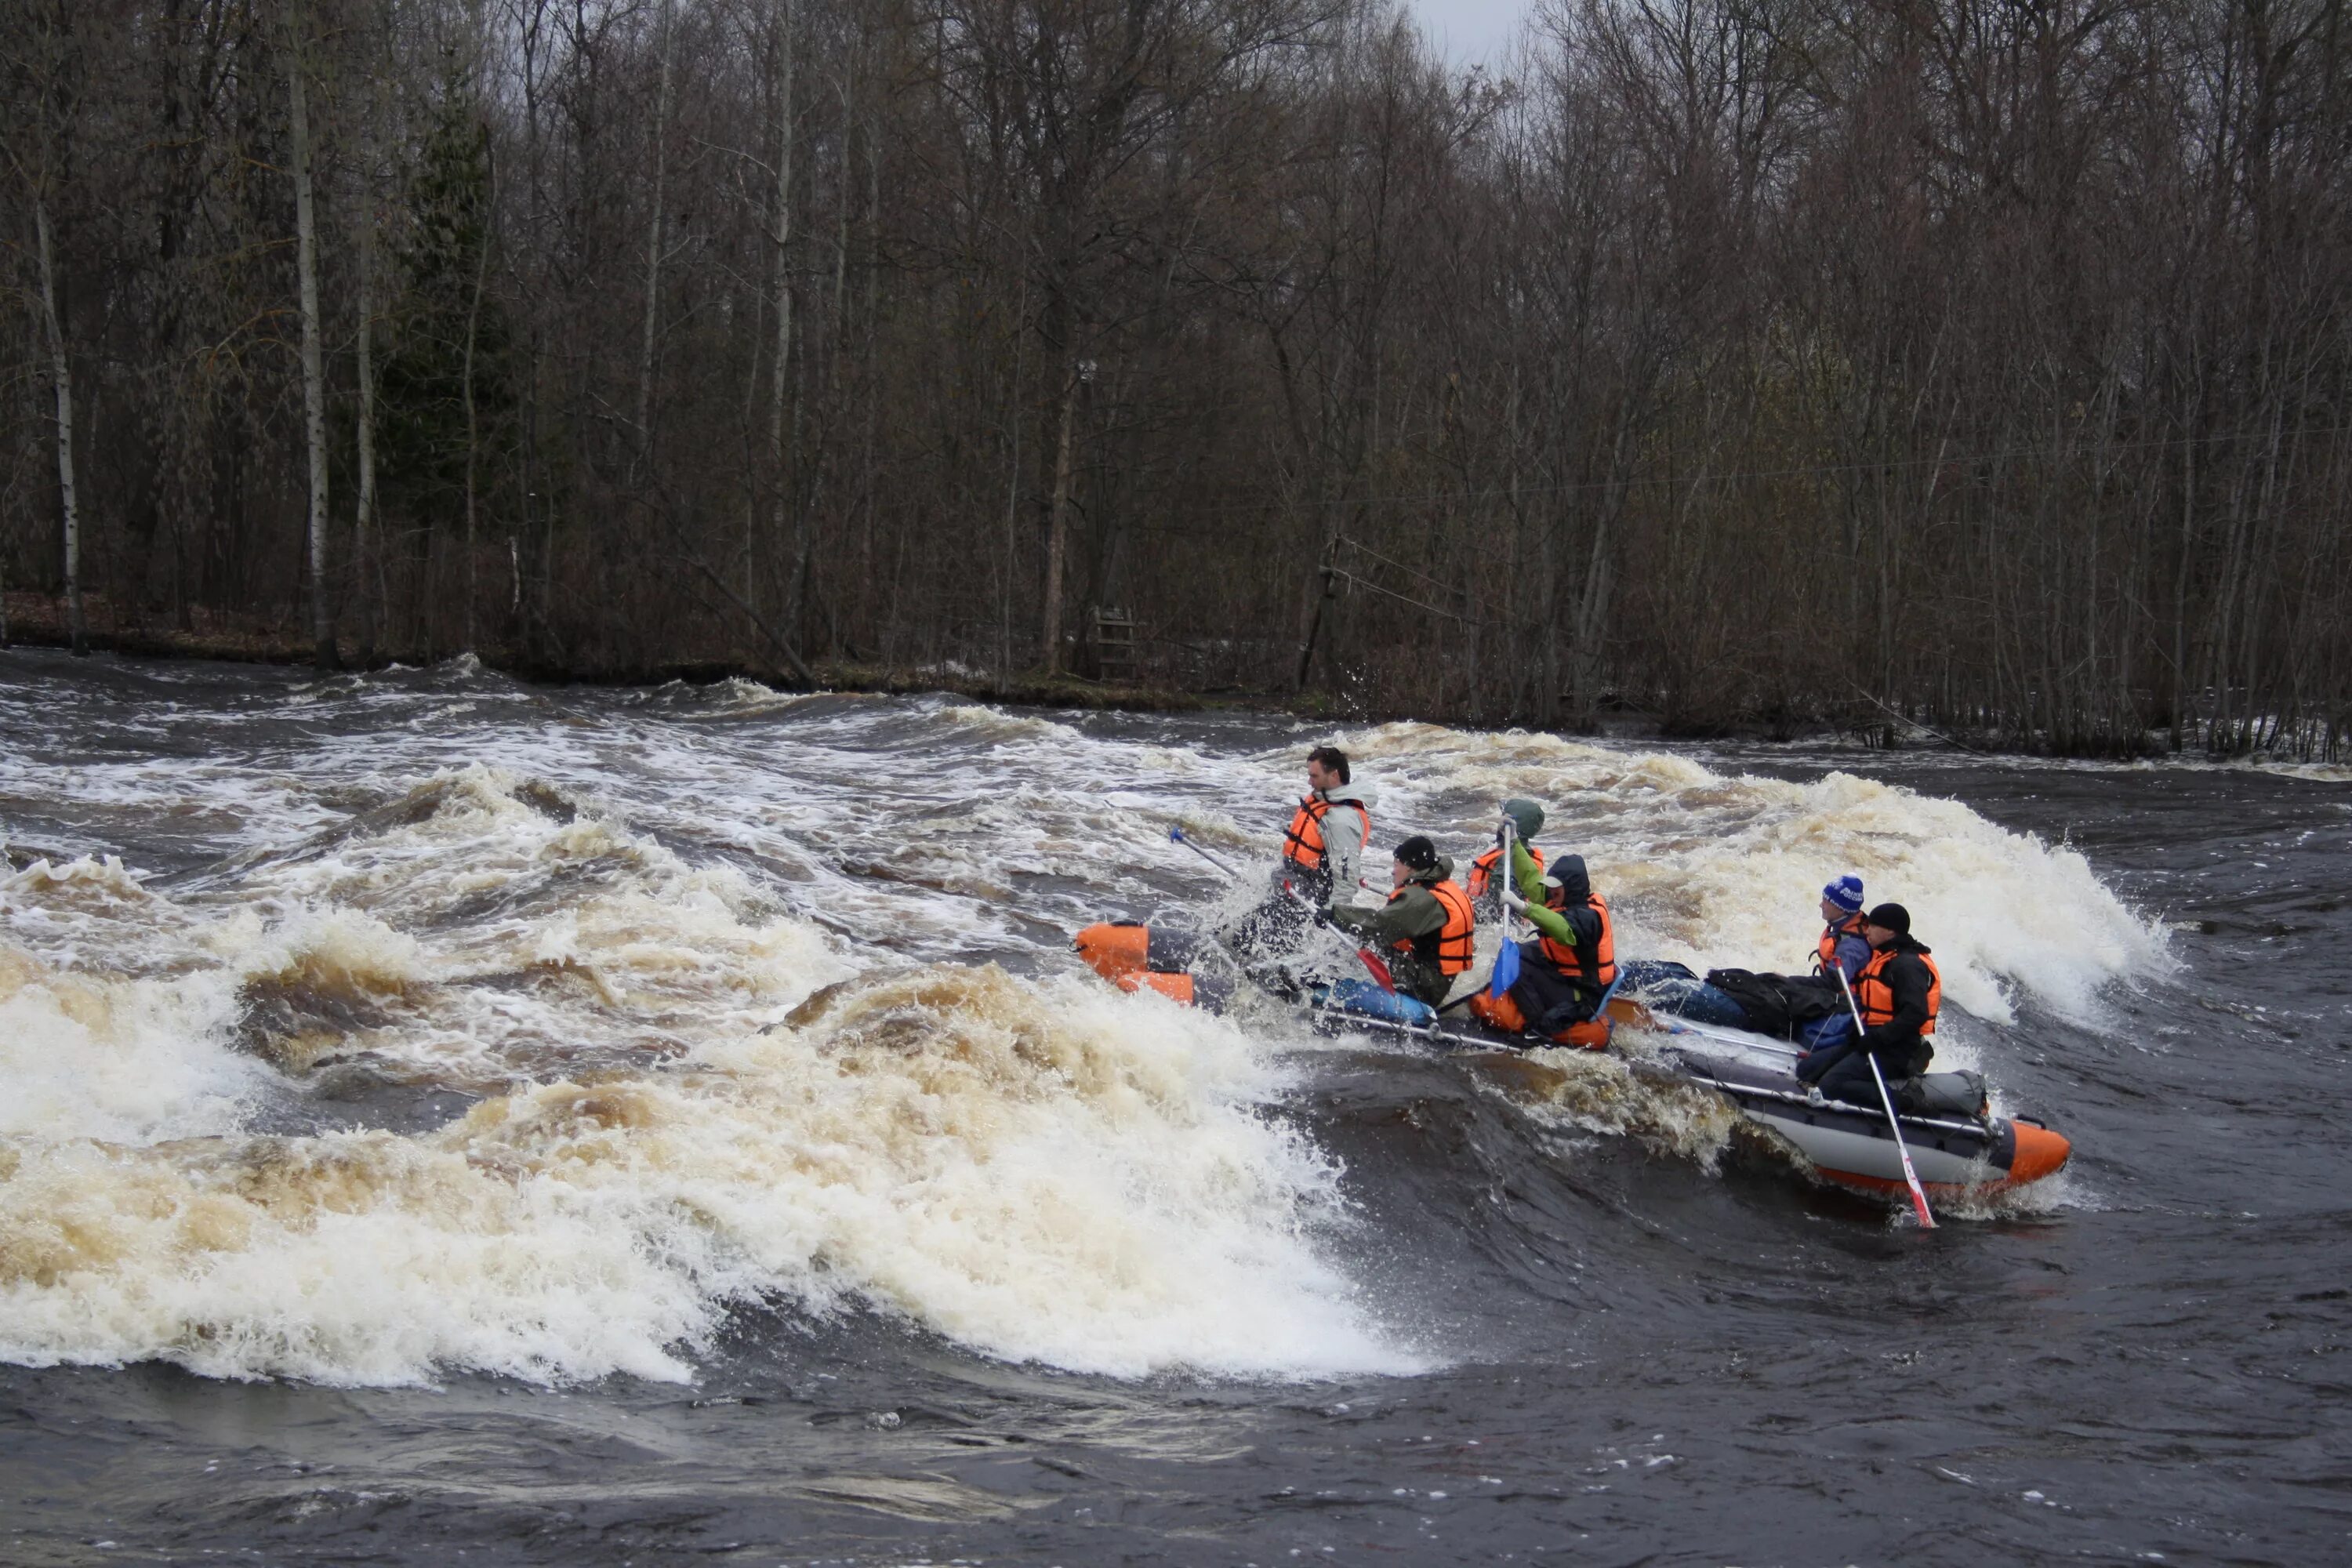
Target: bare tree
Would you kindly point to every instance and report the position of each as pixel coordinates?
(1722, 361)
(786, 530)
(46, 91)
(61, 384)
(364, 546)
(314, 376)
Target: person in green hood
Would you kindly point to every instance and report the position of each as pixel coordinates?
(1484, 886)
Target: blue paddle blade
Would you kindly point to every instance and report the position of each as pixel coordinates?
(1506, 970)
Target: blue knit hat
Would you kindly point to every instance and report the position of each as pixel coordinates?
(1845, 892)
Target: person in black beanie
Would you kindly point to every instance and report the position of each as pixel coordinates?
(1898, 992)
(1425, 930)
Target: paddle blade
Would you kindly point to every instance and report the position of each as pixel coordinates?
(1379, 969)
(1506, 970)
(1894, 1125)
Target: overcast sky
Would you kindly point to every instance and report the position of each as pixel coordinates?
(1469, 31)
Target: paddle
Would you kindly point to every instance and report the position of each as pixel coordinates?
(1373, 962)
(1918, 1192)
(1176, 834)
(1506, 958)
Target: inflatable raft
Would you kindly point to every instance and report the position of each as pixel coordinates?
(1956, 1144)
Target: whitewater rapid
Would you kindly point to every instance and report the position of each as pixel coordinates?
(733, 1000)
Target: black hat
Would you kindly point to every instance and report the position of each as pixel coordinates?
(1891, 916)
(1418, 853)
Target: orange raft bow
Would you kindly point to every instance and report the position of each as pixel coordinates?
(1134, 957)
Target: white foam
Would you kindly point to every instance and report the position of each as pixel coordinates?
(1600, 1092)
(351, 1259)
(1037, 1170)
(1719, 871)
(2314, 773)
(125, 1060)
(1069, 1176)
(100, 877)
(1002, 726)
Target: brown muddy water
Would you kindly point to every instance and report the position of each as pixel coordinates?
(445, 1121)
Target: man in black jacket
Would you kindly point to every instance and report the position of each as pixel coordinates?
(1898, 994)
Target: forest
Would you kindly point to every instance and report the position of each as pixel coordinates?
(1984, 365)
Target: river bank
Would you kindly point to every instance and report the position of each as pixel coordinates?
(39, 620)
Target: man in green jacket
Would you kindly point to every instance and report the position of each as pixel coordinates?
(1425, 930)
(1489, 877)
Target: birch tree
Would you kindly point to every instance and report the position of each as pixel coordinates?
(314, 378)
(365, 549)
(61, 386)
(47, 90)
(657, 156)
(786, 529)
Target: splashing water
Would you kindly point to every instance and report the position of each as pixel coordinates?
(1726, 871)
(1051, 1172)
(735, 997)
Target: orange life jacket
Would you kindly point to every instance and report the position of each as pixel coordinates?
(1598, 967)
(1504, 1013)
(1875, 997)
(1302, 841)
(1451, 943)
(1850, 926)
(1482, 869)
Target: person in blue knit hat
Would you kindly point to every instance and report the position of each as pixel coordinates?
(1841, 942)
(1843, 946)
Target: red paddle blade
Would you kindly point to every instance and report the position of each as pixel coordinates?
(1381, 975)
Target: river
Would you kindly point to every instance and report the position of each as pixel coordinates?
(448, 1120)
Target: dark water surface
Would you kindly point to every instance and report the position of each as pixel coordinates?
(293, 1270)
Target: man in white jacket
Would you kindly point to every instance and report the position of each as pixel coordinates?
(1323, 848)
(1321, 866)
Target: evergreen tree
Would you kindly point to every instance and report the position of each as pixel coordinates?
(444, 303)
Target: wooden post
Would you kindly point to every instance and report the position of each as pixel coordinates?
(1315, 621)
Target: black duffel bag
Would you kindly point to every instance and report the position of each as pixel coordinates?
(1776, 1003)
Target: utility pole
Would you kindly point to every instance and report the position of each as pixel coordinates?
(1315, 619)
